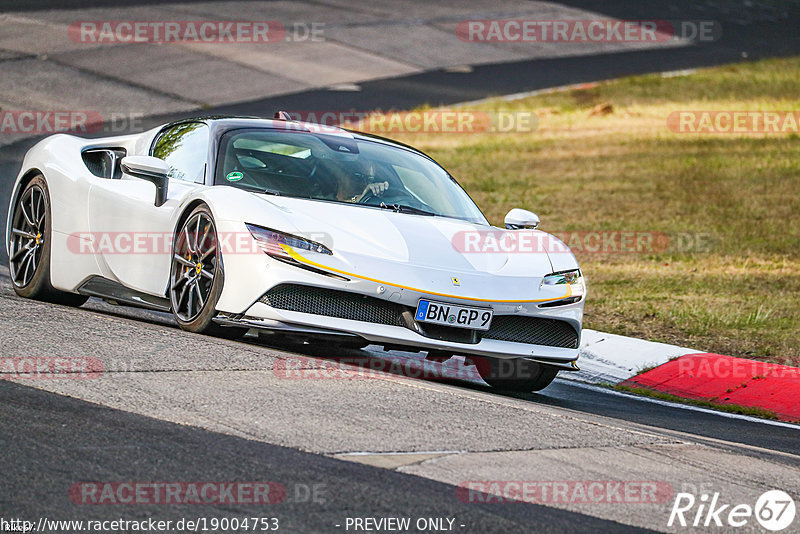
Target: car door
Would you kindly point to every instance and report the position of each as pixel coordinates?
(133, 236)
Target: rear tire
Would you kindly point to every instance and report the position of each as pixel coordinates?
(29, 247)
(197, 276)
(515, 374)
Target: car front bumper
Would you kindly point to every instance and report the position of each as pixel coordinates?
(250, 278)
(406, 334)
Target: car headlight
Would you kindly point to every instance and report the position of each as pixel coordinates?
(271, 242)
(573, 279)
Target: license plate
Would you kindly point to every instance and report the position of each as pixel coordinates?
(453, 315)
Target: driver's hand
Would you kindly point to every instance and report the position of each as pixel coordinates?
(376, 189)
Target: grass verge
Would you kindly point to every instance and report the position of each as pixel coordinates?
(729, 408)
(625, 170)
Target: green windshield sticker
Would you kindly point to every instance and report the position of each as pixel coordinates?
(234, 176)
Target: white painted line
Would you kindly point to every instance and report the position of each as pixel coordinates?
(570, 87)
(526, 94)
(395, 453)
(678, 73)
(750, 418)
(352, 87)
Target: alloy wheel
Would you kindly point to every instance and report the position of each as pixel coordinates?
(27, 236)
(194, 266)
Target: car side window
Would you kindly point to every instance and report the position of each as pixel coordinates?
(185, 148)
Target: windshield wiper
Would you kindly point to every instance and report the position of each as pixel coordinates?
(264, 190)
(403, 208)
(267, 191)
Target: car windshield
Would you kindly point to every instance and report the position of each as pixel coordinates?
(339, 168)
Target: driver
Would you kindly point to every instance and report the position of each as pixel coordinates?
(355, 187)
(375, 188)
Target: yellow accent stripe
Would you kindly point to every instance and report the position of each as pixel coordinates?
(295, 256)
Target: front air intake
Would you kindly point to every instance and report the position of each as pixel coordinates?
(334, 303)
(357, 307)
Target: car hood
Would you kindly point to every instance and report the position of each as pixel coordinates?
(413, 251)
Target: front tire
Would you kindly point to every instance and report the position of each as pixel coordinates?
(515, 374)
(29, 247)
(197, 276)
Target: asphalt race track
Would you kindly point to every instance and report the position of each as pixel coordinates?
(170, 406)
(110, 444)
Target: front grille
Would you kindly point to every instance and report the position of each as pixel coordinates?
(533, 330)
(357, 307)
(334, 303)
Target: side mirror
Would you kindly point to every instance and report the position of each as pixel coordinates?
(518, 219)
(148, 168)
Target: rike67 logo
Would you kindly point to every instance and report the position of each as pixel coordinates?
(774, 510)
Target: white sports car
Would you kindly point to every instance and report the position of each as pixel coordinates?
(315, 233)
